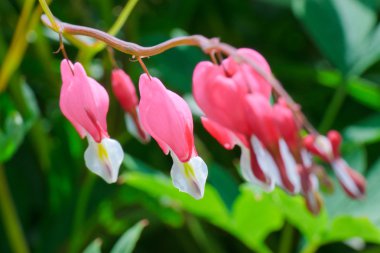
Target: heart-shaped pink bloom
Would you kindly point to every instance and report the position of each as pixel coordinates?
(83, 101)
(167, 118)
(219, 90)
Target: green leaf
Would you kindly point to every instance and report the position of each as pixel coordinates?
(94, 247)
(255, 215)
(364, 91)
(295, 211)
(128, 240)
(355, 155)
(12, 136)
(340, 28)
(211, 207)
(346, 227)
(366, 131)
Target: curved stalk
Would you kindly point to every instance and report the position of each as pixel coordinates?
(209, 46)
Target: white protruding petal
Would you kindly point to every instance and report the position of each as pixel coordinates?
(189, 177)
(266, 161)
(290, 166)
(132, 128)
(306, 158)
(246, 171)
(104, 158)
(323, 145)
(340, 169)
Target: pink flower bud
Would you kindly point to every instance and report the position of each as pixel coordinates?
(124, 90)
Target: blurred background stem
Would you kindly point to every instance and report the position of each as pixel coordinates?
(80, 211)
(334, 106)
(11, 222)
(286, 240)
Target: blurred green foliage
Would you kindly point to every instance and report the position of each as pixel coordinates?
(325, 52)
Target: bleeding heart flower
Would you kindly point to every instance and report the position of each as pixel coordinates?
(219, 90)
(167, 118)
(125, 93)
(328, 149)
(269, 145)
(84, 102)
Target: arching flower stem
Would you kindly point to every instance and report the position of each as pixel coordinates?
(208, 45)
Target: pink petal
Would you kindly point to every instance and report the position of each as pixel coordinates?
(224, 136)
(219, 96)
(286, 123)
(124, 90)
(85, 102)
(166, 117)
(257, 84)
(260, 117)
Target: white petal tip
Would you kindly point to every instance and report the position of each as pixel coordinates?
(189, 177)
(104, 158)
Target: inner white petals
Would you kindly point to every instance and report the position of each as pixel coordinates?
(266, 161)
(132, 128)
(246, 171)
(340, 168)
(323, 145)
(307, 160)
(189, 177)
(104, 158)
(290, 166)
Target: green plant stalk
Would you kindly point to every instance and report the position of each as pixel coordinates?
(10, 219)
(46, 9)
(310, 248)
(334, 107)
(203, 240)
(80, 211)
(286, 239)
(18, 44)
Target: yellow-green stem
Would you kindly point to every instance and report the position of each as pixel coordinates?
(10, 220)
(334, 107)
(46, 9)
(18, 44)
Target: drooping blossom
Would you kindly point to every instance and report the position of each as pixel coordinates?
(220, 90)
(239, 111)
(125, 93)
(269, 146)
(84, 102)
(328, 149)
(167, 118)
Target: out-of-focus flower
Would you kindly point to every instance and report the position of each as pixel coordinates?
(167, 118)
(84, 102)
(220, 90)
(328, 149)
(125, 93)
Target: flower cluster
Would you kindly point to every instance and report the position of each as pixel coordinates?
(240, 109)
(160, 113)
